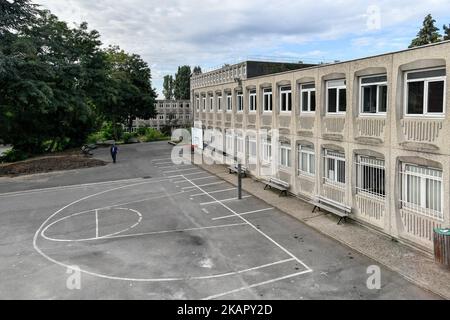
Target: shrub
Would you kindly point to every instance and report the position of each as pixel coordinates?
(153, 135)
(13, 155)
(128, 136)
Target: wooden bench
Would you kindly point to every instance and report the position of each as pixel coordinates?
(339, 209)
(234, 170)
(278, 184)
(87, 149)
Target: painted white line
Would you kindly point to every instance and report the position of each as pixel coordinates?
(173, 231)
(181, 170)
(96, 223)
(205, 211)
(225, 200)
(78, 186)
(160, 159)
(257, 285)
(173, 166)
(205, 185)
(243, 214)
(204, 178)
(187, 175)
(212, 192)
(255, 228)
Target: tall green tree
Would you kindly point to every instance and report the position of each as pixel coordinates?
(132, 95)
(446, 32)
(428, 34)
(168, 87)
(197, 70)
(182, 86)
(46, 72)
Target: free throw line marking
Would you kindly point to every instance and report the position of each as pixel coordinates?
(243, 214)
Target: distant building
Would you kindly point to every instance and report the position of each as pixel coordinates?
(173, 113)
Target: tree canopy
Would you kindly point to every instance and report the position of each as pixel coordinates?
(168, 87)
(446, 32)
(182, 84)
(428, 34)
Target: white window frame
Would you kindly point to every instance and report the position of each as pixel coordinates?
(266, 151)
(311, 157)
(286, 151)
(421, 208)
(335, 156)
(309, 91)
(229, 102)
(426, 81)
(219, 102)
(268, 92)
(284, 94)
(375, 165)
(252, 101)
(211, 103)
(361, 95)
(336, 84)
(240, 102)
(204, 103)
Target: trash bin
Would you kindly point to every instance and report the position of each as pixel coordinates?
(442, 246)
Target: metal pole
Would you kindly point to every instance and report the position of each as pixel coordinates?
(239, 181)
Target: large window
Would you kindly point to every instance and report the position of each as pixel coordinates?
(219, 102)
(197, 101)
(204, 103)
(285, 156)
(240, 102)
(306, 160)
(373, 95)
(252, 100)
(334, 167)
(425, 92)
(251, 147)
(267, 100)
(422, 190)
(308, 98)
(285, 99)
(336, 96)
(211, 103)
(240, 144)
(229, 143)
(370, 176)
(266, 151)
(229, 102)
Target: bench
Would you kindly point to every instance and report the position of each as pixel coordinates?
(339, 209)
(234, 170)
(87, 149)
(278, 184)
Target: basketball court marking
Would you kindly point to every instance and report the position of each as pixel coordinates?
(181, 170)
(204, 178)
(39, 232)
(212, 192)
(243, 214)
(224, 200)
(205, 185)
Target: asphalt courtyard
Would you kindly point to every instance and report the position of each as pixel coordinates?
(148, 229)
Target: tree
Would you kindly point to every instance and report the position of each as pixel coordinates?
(182, 85)
(14, 15)
(197, 70)
(446, 32)
(428, 34)
(132, 95)
(168, 87)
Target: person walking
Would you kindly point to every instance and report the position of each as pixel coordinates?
(114, 152)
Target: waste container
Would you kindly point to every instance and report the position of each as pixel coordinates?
(442, 246)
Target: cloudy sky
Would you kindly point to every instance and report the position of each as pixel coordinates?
(169, 33)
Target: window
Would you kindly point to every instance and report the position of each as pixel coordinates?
(373, 95)
(370, 176)
(229, 102)
(267, 99)
(219, 103)
(204, 103)
(425, 92)
(334, 167)
(229, 143)
(211, 103)
(308, 98)
(161, 117)
(198, 104)
(285, 99)
(251, 147)
(306, 160)
(240, 102)
(252, 100)
(266, 151)
(285, 156)
(240, 144)
(422, 190)
(336, 96)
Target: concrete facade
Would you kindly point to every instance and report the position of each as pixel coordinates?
(401, 143)
(175, 113)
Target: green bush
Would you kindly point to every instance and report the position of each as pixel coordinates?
(142, 131)
(153, 135)
(13, 155)
(128, 136)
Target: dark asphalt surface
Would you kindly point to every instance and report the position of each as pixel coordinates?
(169, 236)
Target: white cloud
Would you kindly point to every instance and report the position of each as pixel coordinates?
(175, 32)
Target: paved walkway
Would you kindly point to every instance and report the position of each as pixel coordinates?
(415, 266)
